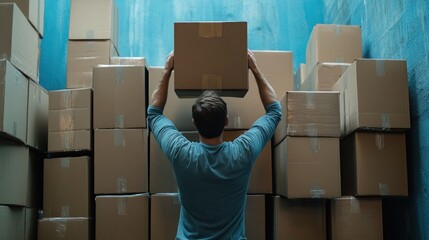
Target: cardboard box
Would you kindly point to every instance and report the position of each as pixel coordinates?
(69, 141)
(356, 218)
(210, 55)
(34, 10)
(299, 77)
(82, 57)
(70, 119)
(374, 164)
(70, 98)
(67, 190)
(303, 219)
(324, 76)
(333, 43)
(19, 42)
(135, 61)
(65, 229)
(165, 212)
(312, 114)
(20, 175)
(95, 20)
(162, 179)
(374, 96)
(121, 161)
(122, 217)
(120, 96)
(308, 167)
(18, 223)
(37, 123)
(13, 102)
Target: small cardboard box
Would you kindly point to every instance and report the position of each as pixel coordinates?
(333, 43)
(122, 217)
(298, 218)
(121, 161)
(13, 102)
(210, 55)
(65, 229)
(356, 218)
(67, 190)
(308, 167)
(374, 164)
(82, 57)
(19, 41)
(324, 76)
(38, 112)
(120, 96)
(34, 10)
(18, 223)
(69, 141)
(374, 96)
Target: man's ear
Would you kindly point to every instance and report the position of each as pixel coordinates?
(226, 120)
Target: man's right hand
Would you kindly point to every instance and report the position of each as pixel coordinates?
(169, 64)
(251, 61)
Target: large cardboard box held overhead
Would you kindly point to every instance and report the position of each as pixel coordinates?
(13, 102)
(374, 96)
(324, 76)
(38, 111)
(34, 10)
(374, 164)
(20, 175)
(333, 43)
(303, 219)
(120, 96)
(210, 55)
(356, 218)
(94, 20)
(19, 42)
(67, 190)
(18, 223)
(121, 161)
(82, 57)
(162, 178)
(308, 167)
(65, 229)
(122, 217)
(165, 212)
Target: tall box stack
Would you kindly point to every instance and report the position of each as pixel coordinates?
(23, 118)
(121, 151)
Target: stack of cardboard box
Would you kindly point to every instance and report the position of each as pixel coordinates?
(23, 118)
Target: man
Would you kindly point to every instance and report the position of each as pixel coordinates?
(212, 175)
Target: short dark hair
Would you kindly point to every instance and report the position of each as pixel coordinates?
(209, 112)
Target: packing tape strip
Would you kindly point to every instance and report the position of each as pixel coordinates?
(338, 29)
(354, 205)
(119, 75)
(61, 228)
(90, 34)
(315, 144)
(119, 121)
(236, 121)
(309, 101)
(89, 46)
(66, 121)
(122, 206)
(67, 139)
(65, 162)
(210, 30)
(121, 185)
(211, 82)
(379, 141)
(65, 211)
(118, 138)
(340, 59)
(317, 192)
(380, 68)
(385, 121)
(383, 189)
(311, 130)
(69, 98)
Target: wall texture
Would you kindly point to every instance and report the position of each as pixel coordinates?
(399, 29)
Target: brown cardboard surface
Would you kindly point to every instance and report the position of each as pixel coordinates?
(121, 161)
(356, 218)
(82, 57)
(13, 101)
(309, 113)
(120, 97)
(65, 229)
(19, 41)
(20, 175)
(323, 76)
(65, 141)
(308, 167)
(137, 61)
(374, 164)
(375, 96)
(162, 178)
(70, 119)
(303, 219)
(70, 98)
(18, 223)
(37, 124)
(299, 77)
(67, 190)
(33, 10)
(255, 217)
(210, 55)
(333, 43)
(122, 217)
(97, 20)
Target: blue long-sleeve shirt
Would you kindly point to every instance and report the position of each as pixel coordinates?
(212, 179)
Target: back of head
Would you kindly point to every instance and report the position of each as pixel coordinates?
(209, 113)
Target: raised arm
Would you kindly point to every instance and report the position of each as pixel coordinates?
(159, 95)
(266, 91)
